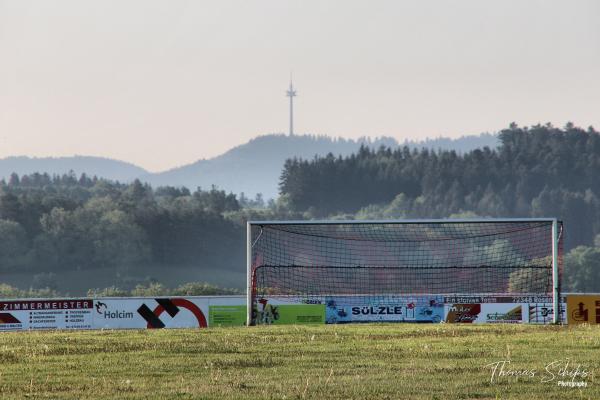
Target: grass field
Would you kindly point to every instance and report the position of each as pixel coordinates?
(295, 362)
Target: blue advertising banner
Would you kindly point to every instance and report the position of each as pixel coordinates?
(390, 309)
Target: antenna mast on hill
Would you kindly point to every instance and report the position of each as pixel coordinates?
(291, 93)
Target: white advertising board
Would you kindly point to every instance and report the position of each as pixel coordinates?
(151, 313)
(119, 313)
(500, 309)
(204, 311)
(46, 314)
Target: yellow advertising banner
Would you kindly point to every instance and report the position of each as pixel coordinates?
(582, 309)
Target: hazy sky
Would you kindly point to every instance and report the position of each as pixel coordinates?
(164, 83)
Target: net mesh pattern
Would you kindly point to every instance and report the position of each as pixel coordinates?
(390, 259)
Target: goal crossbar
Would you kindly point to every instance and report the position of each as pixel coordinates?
(399, 221)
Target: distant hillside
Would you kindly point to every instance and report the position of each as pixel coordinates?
(462, 144)
(255, 167)
(99, 166)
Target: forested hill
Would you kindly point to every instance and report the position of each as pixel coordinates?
(251, 168)
(255, 167)
(106, 168)
(462, 144)
(537, 171)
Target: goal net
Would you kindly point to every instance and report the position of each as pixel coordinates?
(306, 261)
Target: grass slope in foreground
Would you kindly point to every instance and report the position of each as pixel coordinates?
(293, 362)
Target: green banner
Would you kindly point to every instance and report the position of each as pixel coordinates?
(292, 314)
(226, 315)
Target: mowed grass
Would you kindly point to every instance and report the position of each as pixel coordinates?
(394, 361)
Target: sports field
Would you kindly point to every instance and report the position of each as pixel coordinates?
(302, 362)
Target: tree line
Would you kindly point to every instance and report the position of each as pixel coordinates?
(537, 171)
(50, 224)
(150, 289)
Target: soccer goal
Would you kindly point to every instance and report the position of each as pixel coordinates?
(378, 262)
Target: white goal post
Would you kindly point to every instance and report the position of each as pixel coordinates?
(379, 259)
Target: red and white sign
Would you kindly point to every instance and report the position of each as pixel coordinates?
(151, 313)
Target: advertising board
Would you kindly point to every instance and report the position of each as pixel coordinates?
(151, 313)
(122, 313)
(389, 309)
(226, 315)
(277, 312)
(205, 311)
(500, 309)
(583, 309)
(46, 314)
